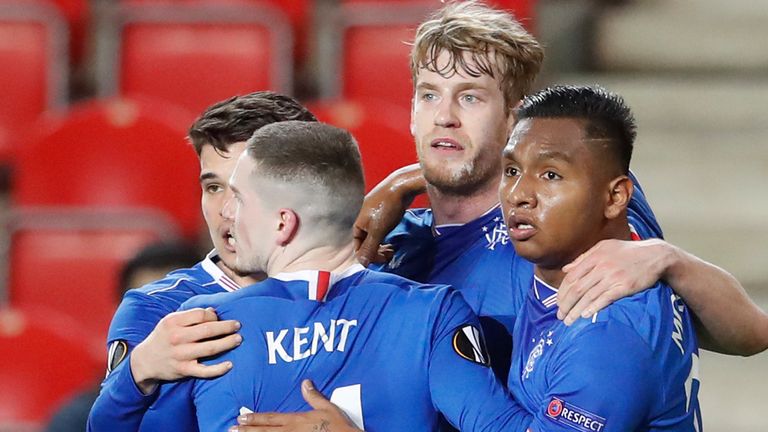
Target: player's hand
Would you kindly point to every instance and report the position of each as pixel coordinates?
(173, 348)
(382, 210)
(325, 417)
(610, 270)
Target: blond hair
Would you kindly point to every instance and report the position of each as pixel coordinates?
(495, 40)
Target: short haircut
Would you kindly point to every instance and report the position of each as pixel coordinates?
(235, 119)
(498, 44)
(316, 157)
(607, 116)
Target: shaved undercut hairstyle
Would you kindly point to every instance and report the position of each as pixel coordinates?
(237, 118)
(317, 158)
(498, 45)
(606, 114)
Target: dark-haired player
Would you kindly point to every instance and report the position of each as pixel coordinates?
(149, 343)
(566, 186)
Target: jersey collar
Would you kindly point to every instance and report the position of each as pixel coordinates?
(210, 267)
(319, 282)
(544, 293)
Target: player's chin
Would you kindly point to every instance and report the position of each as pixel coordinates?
(227, 254)
(529, 250)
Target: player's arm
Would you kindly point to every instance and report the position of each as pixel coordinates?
(383, 209)
(727, 320)
(463, 386)
(604, 379)
(167, 349)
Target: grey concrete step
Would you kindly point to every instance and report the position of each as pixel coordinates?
(687, 35)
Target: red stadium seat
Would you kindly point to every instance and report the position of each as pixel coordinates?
(195, 53)
(43, 360)
(380, 128)
(69, 261)
(117, 154)
(298, 12)
(33, 76)
(370, 49)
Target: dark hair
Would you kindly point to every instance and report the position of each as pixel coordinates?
(606, 115)
(235, 119)
(157, 256)
(313, 154)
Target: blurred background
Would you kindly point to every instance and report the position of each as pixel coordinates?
(97, 96)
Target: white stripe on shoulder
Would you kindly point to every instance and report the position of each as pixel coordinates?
(168, 288)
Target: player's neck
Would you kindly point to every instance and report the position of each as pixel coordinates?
(553, 273)
(238, 279)
(333, 259)
(454, 209)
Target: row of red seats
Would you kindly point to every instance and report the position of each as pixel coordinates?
(95, 185)
(194, 53)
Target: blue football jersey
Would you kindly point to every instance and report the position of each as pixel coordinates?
(390, 352)
(121, 405)
(632, 366)
(478, 259)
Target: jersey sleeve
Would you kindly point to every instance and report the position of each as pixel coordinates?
(601, 379)
(641, 215)
(120, 405)
(462, 384)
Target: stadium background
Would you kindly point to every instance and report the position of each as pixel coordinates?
(96, 98)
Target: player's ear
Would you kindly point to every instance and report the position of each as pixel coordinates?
(287, 227)
(619, 192)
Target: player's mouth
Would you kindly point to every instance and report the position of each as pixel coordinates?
(446, 144)
(229, 240)
(520, 228)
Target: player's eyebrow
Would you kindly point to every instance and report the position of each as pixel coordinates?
(425, 86)
(208, 176)
(554, 154)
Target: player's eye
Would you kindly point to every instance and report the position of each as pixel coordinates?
(428, 96)
(469, 98)
(511, 171)
(213, 188)
(551, 175)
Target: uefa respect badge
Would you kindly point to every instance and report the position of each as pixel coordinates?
(580, 419)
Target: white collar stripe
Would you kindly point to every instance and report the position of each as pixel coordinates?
(217, 274)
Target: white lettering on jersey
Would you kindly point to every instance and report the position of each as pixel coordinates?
(677, 320)
(321, 335)
(301, 346)
(275, 346)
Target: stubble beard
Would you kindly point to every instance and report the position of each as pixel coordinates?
(462, 181)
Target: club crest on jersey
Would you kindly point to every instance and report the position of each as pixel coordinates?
(546, 340)
(497, 234)
(567, 414)
(118, 351)
(468, 342)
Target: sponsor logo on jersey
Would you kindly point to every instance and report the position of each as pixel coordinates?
(308, 341)
(468, 342)
(570, 415)
(118, 351)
